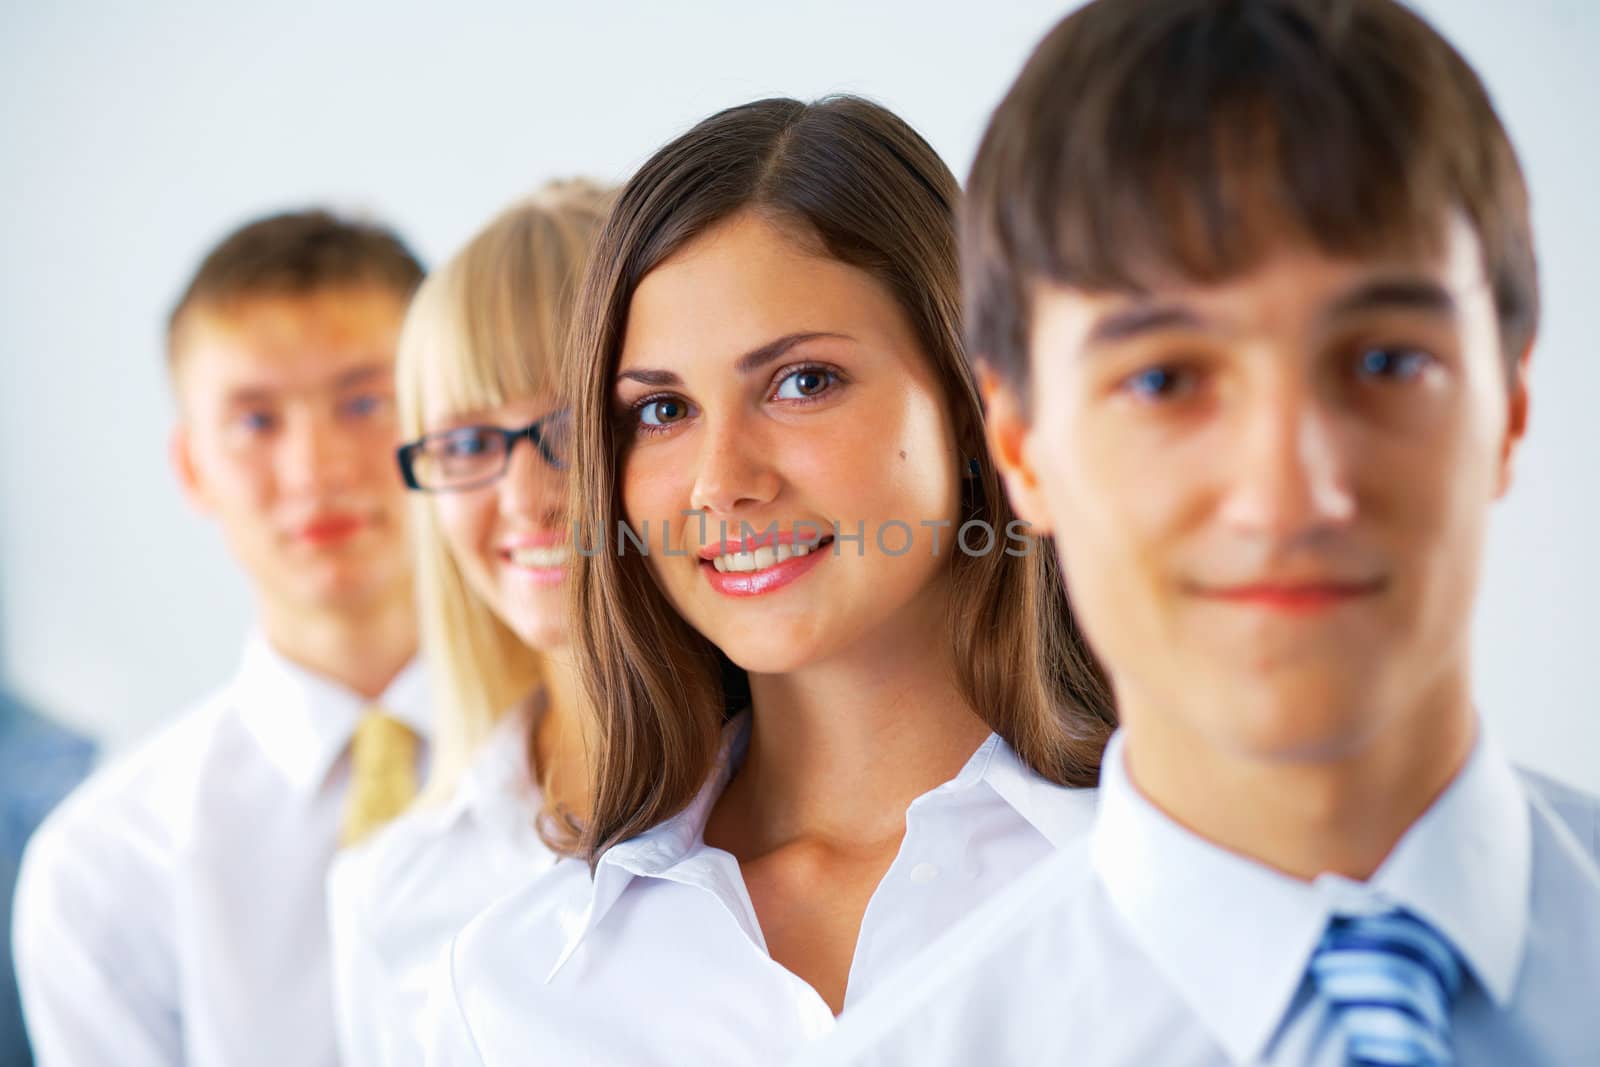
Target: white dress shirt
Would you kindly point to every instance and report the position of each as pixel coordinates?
(173, 910)
(396, 901)
(660, 958)
(1165, 949)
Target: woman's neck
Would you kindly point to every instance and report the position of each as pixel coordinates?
(839, 750)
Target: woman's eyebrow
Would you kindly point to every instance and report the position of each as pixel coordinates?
(749, 363)
(652, 378)
(772, 351)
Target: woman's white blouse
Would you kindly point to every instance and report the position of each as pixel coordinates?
(659, 959)
(395, 902)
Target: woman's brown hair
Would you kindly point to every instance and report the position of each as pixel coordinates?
(858, 182)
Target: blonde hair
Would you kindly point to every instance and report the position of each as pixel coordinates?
(487, 328)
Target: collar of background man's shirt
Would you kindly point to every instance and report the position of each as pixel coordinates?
(303, 722)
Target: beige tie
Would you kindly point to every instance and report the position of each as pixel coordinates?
(383, 774)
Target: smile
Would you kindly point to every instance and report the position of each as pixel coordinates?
(760, 559)
(542, 557)
(754, 571)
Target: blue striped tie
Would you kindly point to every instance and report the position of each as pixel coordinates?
(1390, 980)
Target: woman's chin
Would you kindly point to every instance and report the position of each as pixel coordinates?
(541, 634)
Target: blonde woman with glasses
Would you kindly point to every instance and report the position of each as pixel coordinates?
(479, 360)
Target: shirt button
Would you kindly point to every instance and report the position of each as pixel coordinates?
(924, 873)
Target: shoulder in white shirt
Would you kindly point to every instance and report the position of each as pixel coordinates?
(659, 959)
(173, 909)
(1151, 945)
(396, 901)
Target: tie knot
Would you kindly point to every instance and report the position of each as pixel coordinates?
(1390, 980)
(381, 740)
(383, 774)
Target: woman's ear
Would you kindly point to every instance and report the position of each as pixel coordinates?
(1007, 430)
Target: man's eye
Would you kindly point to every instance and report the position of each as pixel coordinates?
(365, 405)
(805, 382)
(1392, 364)
(1159, 383)
(662, 411)
(257, 421)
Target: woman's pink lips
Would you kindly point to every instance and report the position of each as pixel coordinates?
(770, 579)
(542, 575)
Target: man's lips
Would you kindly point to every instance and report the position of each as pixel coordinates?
(329, 529)
(1293, 596)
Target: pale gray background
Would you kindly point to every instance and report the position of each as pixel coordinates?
(134, 135)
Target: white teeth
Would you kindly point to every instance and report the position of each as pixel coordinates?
(758, 560)
(540, 558)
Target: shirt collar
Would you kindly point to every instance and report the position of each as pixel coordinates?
(1465, 867)
(499, 781)
(671, 850)
(660, 849)
(1059, 813)
(303, 721)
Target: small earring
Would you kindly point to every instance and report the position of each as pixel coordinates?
(974, 477)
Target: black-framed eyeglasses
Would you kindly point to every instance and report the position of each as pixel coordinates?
(469, 457)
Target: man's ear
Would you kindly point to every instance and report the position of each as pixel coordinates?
(1516, 419)
(180, 451)
(1007, 429)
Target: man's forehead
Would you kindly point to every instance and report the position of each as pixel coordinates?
(1293, 274)
(342, 317)
(289, 344)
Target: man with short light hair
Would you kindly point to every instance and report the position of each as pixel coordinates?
(172, 910)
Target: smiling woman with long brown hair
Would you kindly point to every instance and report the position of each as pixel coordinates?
(839, 699)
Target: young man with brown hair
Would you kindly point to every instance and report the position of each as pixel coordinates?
(172, 910)
(1253, 285)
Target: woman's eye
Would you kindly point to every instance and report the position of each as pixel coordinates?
(1159, 383)
(803, 383)
(1395, 364)
(466, 443)
(662, 411)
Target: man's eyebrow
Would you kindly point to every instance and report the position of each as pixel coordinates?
(1140, 319)
(363, 375)
(243, 395)
(749, 363)
(1395, 294)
